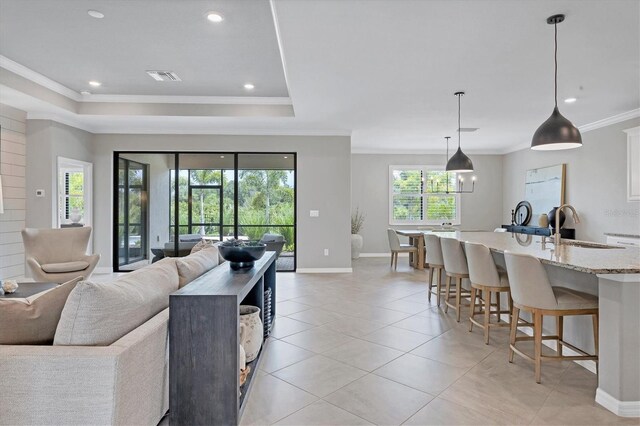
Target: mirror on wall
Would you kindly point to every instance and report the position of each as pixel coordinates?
(544, 188)
(74, 194)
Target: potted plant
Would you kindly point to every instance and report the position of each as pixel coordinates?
(357, 220)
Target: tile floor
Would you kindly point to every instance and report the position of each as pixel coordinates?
(368, 348)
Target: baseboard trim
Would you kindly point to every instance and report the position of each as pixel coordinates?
(388, 255)
(619, 408)
(103, 270)
(324, 270)
(589, 365)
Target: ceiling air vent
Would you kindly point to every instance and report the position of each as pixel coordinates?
(164, 75)
(468, 129)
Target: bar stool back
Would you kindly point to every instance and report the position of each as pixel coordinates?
(486, 278)
(532, 292)
(435, 263)
(455, 266)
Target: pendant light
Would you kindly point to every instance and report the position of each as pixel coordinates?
(446, 190)
(459, 162)
(557, 132)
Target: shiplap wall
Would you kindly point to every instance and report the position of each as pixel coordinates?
(12, 169)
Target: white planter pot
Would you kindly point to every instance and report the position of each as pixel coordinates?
(356, 245)
(252, 334)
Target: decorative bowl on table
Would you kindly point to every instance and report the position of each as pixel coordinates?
(241, 254)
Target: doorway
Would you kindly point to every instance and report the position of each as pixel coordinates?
(132, 213)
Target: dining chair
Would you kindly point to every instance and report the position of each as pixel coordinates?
(396, 247)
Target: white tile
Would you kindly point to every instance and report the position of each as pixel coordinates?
(273, 399)
(279, 354)
(317, 340)
(321, 413)
(364, 355)
(319, 375)
(379, 400)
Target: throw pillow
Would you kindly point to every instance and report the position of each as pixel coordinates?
(203, 244)
(33, 320)
(100, 313)
(194, 265)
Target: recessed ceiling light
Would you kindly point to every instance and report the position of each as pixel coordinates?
(570, 100)
(215, 17)
(249, 86)
(95, 83)
(222, 156)
(286, 156)
(85, 92)
(95, 14)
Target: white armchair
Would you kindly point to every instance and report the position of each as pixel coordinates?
(58, 255)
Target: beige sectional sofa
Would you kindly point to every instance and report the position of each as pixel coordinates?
(108, 364)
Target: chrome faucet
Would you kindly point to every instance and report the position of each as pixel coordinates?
(576, 219)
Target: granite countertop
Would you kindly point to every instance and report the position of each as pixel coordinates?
(615, 234)
(618, 260)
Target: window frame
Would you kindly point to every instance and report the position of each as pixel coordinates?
(424, 196)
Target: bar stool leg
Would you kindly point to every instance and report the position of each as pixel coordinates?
(458, 297)
(439, 284)
(537, 337)
(560, 332)
(514, 329)
(498, 304)
(472, 310)
(448, 292)
(487, 315)
(594, 317)
(430, 283)
(510, 308)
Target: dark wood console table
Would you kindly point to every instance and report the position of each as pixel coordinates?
(204, 337)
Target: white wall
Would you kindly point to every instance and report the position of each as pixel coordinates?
(46, 141)
(596, 182)
(12, 169)
(481, 210)
(324, 182)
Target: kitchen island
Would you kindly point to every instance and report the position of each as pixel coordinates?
(612, 273)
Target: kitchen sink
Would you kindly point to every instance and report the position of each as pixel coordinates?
(587, 244)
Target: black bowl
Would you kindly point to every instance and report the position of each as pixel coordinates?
(242, 257)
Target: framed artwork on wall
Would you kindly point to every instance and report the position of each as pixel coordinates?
(544, 188)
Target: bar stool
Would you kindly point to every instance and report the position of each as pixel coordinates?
(435, 263)
(396, 247)
(455, 266)
(486, 278)
(532, 292)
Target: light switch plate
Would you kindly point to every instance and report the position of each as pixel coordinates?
(314, 213)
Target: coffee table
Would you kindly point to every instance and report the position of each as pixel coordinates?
(29, 289)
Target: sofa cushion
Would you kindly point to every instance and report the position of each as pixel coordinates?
(57, 268)
(33, 320)
(101, 313)
(196, 264)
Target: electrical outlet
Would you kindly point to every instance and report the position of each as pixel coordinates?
(40, 193)
(314, 213)
(326, 252)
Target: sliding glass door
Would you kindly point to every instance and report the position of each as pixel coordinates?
(204, 195)
(132, 212)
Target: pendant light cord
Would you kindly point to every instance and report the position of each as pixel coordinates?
(459, 96)
(555, 61)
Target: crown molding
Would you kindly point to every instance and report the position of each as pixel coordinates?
(172, 99)
(60, 119)
(184, 130)
(276, 27)
(634, 113)
(38, 78)
(392, 151)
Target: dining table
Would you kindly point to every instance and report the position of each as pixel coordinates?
(416, 238)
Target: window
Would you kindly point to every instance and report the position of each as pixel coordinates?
(416, 198)
(74, 192)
